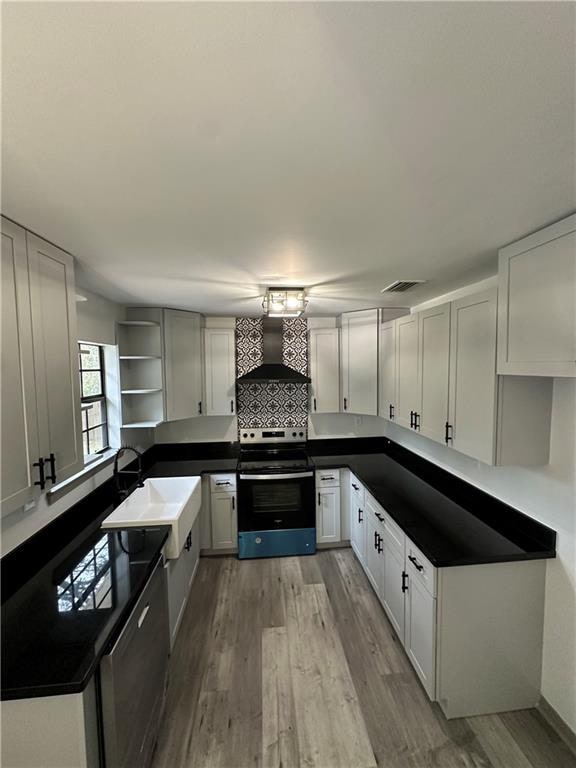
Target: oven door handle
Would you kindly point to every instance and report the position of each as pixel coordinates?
(286, 476)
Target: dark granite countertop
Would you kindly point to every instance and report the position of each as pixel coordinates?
(193, 467)
(479, 529)
(58, 624)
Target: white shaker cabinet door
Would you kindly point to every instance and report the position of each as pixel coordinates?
(434, 360)
(420, 632)
(537, 303)
(407, 394)
(19, 425)
(472, 406)
(53, 304)
(328, 515)
(387, 370)
(220, 371)
(324, 370)
(224, 520)
(392, 586)
(183, 364)
(360, 362)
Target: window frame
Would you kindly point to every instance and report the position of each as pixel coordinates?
(87, 401)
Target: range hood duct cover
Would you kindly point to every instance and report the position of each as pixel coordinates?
(273, 368)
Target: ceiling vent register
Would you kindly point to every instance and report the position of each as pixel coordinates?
(399, 286)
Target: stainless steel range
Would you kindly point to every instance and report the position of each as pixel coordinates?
(276, 510)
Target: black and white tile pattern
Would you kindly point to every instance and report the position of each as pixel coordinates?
(271, 404)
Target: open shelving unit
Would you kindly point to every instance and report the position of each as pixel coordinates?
(140, 351)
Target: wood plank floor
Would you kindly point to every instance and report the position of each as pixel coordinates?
(291, 662)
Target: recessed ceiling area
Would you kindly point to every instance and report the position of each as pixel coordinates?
(192, 154)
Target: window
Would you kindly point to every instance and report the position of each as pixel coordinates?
(93, 394)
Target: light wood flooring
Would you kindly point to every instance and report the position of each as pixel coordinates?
(291, 662)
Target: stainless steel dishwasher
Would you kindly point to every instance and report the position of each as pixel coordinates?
(133, 679)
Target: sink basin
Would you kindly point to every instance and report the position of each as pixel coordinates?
(173, 501)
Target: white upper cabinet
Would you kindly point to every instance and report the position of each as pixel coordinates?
(183, 364)
(497, 419)
(324, 370)
(387, 370)
(53, 304)
(19, 421)
(360, 362)
(537, 303)
(220, 371)
(433, 370)
(407, 390)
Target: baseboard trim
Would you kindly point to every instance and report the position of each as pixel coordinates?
(334, 545)
(557, 723)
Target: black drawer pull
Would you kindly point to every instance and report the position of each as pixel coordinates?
(52, 461)
(319, 501)
(327, 477)
(42, 481)
(223, 482)
(360, 515)
(356, 488)
(379, 516)
(447, 436)
(200, 407)
(404, 581)
(231, 406)
(375, 540)
(314, 403)
(411, 419)
(379, 547)
(415, 563)
(391, 411)
(417, 421)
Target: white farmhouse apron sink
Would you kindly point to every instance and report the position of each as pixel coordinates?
(173, 501)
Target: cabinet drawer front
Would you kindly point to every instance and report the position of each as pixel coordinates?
(327, 478)
(394, 535)
(421, 568)
(223, 483)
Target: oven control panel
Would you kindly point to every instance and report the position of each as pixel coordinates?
(274, 435)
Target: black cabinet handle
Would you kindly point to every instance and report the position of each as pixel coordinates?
(447, 435)
(188, 543)
(314, 403)
(360, 515)
(327, 477)
(379, 547)
(200, 407)
(233, 502)
(411, 419)
(42, 481)
(415, 563)
(404, 581)
(391, 411)
(52, 461)
(417, 421)
(231, 406)
(379, 516)
(318, 498)
(356, 488)
(345, 404)
(223, 482)
(375, 540)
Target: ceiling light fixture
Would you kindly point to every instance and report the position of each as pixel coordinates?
(284, 302)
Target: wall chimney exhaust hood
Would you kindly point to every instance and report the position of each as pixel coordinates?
(273, 368)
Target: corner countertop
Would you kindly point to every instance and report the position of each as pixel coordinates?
(58, 624)
(471, 532)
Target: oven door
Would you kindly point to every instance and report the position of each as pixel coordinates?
(270, 502)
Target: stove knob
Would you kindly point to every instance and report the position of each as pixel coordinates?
(301, 434)
(251, 434)
(245, 434)
(293, 434)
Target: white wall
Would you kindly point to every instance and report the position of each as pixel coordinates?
(547, 494)
(202, 429)
(96, 318)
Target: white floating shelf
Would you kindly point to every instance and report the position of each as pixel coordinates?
(139, 322)
(140, 357)
(140, 391)
(141, 425)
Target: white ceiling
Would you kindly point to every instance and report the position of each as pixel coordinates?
(191, 154)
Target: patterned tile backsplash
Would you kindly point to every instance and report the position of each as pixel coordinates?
(271, 404)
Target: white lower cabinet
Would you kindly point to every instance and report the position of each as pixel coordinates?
(357, 518)
(472, 633)
(328, 515)
(223, 512)
(180, 573)
(420, 630)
